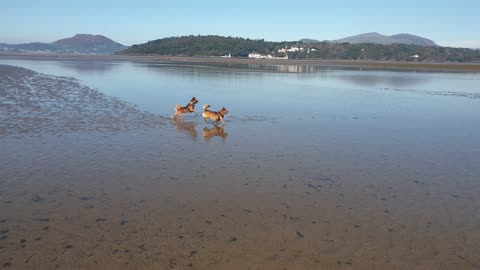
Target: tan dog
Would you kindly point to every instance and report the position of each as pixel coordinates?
(214, 116)
(179, 110)
(208, 133)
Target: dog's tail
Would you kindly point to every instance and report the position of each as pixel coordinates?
(206, 106)
(175, 111)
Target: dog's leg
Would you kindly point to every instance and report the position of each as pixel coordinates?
(196, 114)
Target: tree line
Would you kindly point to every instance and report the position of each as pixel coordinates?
(241, 47)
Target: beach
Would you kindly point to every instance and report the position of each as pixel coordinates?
(337, 169)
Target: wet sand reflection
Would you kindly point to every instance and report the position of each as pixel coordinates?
(189, 127)
(215, 131)
(186, 127)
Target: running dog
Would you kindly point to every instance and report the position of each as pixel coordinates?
(214, 116)
(179, 110)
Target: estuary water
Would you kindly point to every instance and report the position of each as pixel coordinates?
(316, 168)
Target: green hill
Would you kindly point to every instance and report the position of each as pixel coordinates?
(392, 52)
(206, 46)
(241, 47)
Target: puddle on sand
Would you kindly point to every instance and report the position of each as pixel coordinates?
(189, 195)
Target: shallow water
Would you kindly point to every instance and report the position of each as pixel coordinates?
(318, 169)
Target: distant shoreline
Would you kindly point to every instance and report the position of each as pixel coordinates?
(466, 67)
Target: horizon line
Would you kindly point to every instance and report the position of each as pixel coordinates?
(440, 44)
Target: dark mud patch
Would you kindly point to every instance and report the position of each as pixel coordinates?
(32, 103)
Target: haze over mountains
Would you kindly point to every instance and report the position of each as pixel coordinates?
(377, 38)
(80, 43)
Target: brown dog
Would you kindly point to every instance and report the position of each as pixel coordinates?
(179, 110)
(214, 116)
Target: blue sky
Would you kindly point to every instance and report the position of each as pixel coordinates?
(449, 23)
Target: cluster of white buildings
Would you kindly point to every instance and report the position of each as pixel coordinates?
(282, 50)
(264, 56)
(286, 50)
(292, 49)
(296, 49)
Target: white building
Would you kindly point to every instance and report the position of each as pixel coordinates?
(255, 55)
(259, 56)
(292, 49)
(264, 56)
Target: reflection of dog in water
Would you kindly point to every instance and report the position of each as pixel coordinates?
(187, 127)
(179, 110)
(214, 116)
(208, 133)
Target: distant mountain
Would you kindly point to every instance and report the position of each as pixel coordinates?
(309, 40)
(80, 43)
(377, 38)
(90, 43)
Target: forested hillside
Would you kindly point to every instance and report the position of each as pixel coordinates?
(241, 47)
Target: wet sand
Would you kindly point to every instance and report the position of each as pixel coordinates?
(36, 103)
(132, 190)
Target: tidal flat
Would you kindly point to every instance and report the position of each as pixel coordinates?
(316, 169)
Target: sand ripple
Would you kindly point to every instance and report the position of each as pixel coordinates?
(35, 103)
